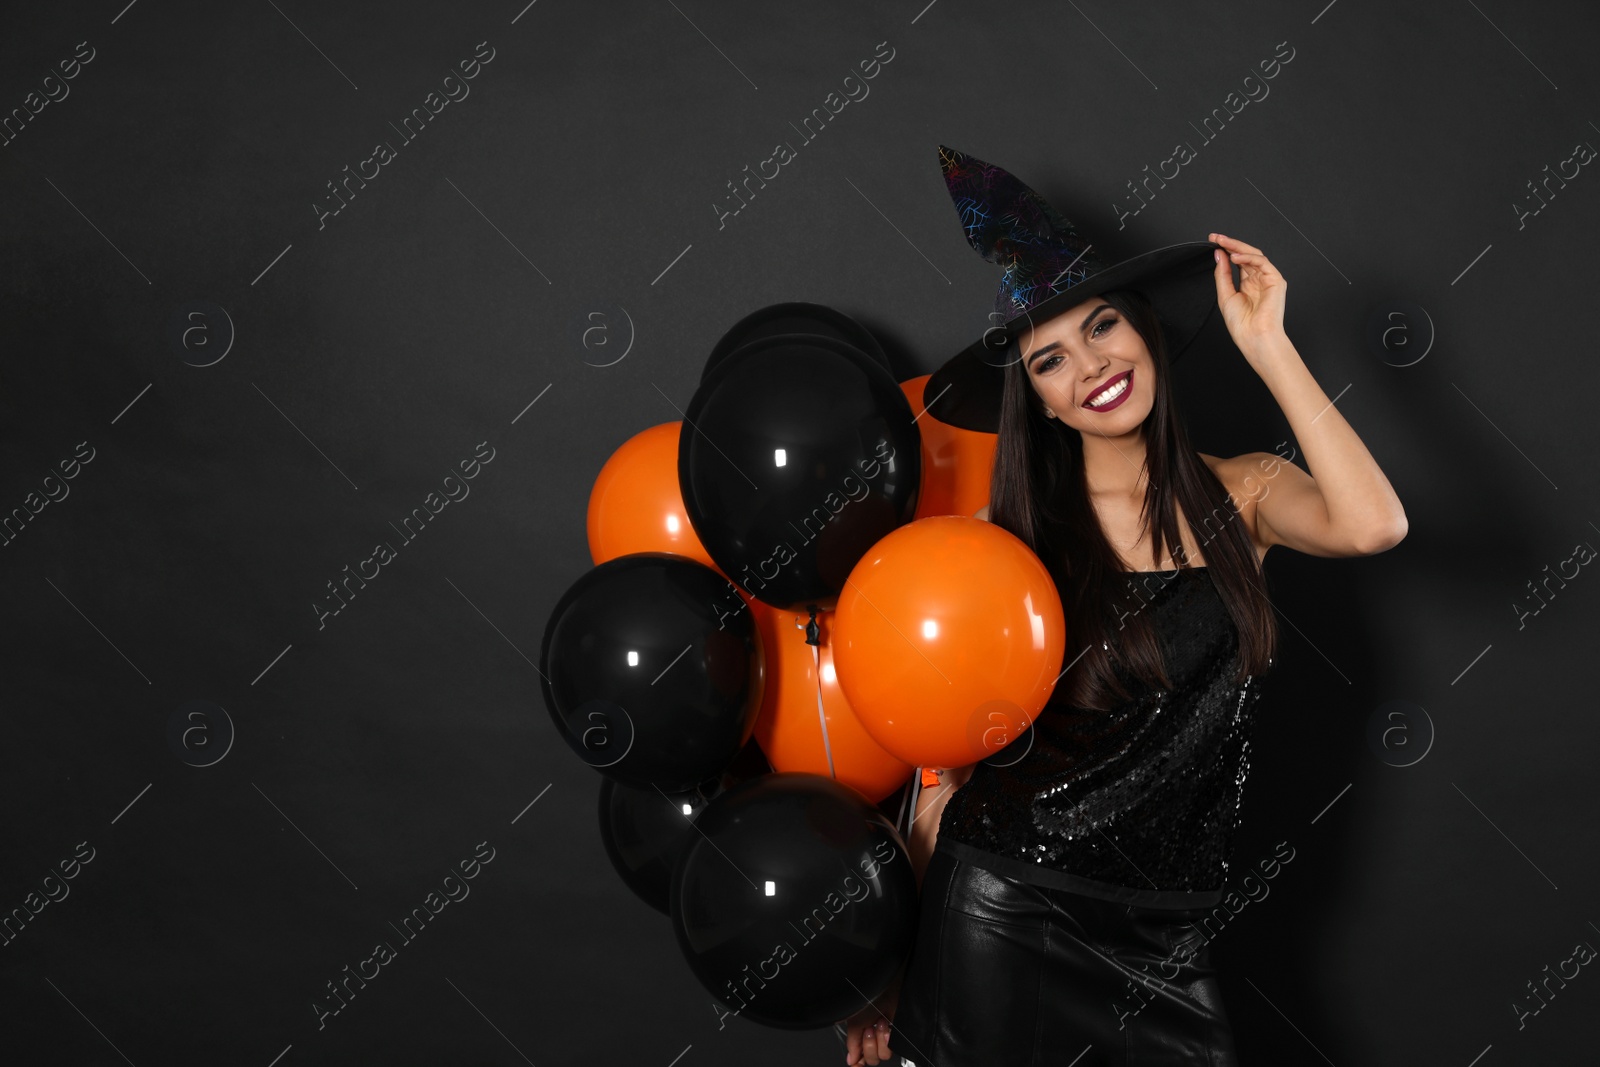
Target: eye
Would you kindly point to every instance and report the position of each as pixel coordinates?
(1109, 320)
(1050, 361)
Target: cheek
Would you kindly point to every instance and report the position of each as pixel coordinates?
(1057, 395)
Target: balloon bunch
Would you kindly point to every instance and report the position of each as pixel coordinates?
(789, 613)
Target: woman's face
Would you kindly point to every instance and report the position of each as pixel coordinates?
(1090, 352)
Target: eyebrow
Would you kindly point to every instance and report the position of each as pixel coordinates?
(1084, 325)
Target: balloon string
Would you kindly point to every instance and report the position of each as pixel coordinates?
(908, 803)
(815, 642)
(821, 717)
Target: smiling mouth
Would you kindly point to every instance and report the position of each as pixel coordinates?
(1113, 393)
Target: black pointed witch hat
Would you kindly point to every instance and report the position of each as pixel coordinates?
(1049, 267)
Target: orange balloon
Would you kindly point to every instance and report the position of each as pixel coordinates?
(636, 505)
(948, 639)
(956, 463)
(790, 731)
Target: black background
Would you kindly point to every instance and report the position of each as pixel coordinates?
(580, 176)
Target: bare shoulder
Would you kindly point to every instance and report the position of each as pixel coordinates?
(1240, 475)
(982, 513)
(1227, 471)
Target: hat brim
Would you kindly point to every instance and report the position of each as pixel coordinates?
(966, 390)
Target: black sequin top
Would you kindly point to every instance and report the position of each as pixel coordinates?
(1138, 804)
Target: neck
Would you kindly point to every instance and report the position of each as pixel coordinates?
(1114, 465)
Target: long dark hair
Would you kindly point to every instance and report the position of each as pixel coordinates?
(1039, 493)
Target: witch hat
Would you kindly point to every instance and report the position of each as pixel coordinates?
(1050, 266)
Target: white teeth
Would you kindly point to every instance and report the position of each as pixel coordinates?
(1108, 396)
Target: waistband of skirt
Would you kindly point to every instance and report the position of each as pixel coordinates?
(1035, 874)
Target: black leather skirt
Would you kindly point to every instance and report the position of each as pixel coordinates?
(1004, 972)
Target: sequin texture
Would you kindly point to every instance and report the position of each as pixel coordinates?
(1146, 795)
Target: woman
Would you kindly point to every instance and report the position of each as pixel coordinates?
(1063, 877)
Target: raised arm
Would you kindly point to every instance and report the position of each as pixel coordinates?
(1344, 506)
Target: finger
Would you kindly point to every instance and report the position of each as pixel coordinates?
(1223, 276)
(877, 1048)
(879, 1042)
(852, 1045)
(1234, 243)
(1257, 268)
(1255, 258)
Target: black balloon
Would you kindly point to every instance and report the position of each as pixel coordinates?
(652, 670)
(795, 901)
(643, 829)
(798, 454)
(789, 318)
